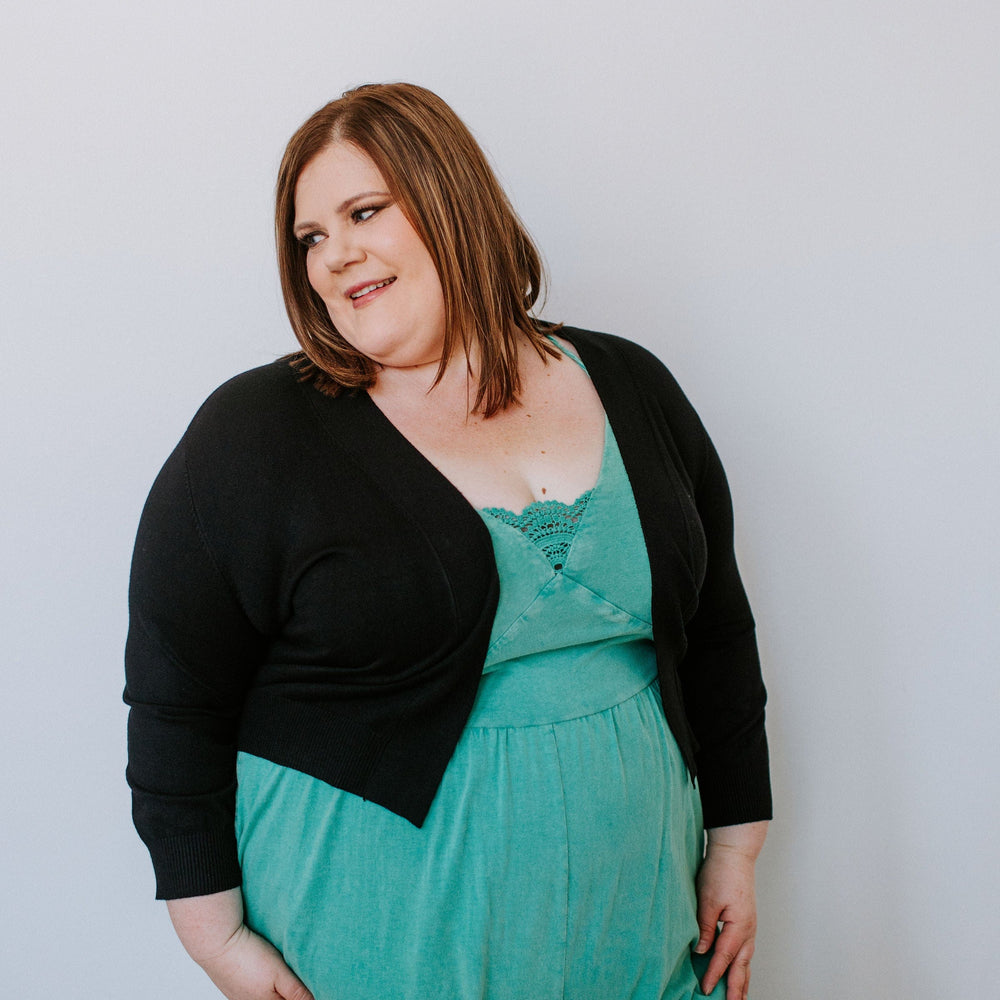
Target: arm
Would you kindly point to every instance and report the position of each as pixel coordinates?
(717, 665)
(724, 700)
(189, 653)
(242, 964)
(189, 658)
(726, 896)
(724, 694)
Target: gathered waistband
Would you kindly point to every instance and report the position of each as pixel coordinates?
(556, 686)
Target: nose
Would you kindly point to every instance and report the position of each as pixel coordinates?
(340, 249)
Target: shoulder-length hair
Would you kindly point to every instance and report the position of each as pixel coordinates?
(490, 270)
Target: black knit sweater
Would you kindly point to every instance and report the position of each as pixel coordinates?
(308, 588)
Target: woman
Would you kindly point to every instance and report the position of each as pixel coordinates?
(435, 622)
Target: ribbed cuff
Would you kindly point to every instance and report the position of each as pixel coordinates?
(735, 792)
(195, 864)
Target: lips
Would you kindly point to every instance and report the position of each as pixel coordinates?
(365, 291)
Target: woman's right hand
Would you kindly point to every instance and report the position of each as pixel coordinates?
(250, 968)
(241, 963)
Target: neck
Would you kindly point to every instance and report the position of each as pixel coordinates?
(459, 377)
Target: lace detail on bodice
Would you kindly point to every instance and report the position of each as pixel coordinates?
(550, 524)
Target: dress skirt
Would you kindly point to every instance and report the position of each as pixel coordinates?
(559, 856)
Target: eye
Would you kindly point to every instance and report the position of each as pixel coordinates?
(365, 213)
(309, 239)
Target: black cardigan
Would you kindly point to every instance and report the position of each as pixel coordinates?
(308, 588)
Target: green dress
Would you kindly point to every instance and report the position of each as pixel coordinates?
(559, 856)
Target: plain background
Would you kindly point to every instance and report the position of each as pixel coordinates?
(795, 204)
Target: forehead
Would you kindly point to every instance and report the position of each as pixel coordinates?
(333, 175)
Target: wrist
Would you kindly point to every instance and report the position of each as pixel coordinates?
(207, 925)
(744, 839)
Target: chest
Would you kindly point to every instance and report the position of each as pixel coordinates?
(373, 534)
(547, 446)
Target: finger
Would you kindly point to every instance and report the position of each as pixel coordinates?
(733, 943)
(738, 980)
(289, 987)
(706, 935)
(735, 983)
(738, 975)
(708, 927)
(717, 966)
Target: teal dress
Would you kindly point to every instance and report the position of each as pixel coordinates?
(559, 856)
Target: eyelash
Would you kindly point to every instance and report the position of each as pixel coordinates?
(355, 215)
(306, 239)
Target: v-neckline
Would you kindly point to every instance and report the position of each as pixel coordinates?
(490, 517)
(564, 506)
(365, 398)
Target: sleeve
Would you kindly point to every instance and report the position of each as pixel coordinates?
(720, 674)
(190, 655)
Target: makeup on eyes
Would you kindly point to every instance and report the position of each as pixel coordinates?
(359, 215)
(377, 199)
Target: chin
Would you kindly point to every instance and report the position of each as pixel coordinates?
(402, 354)
(396, 348)
(389, 356)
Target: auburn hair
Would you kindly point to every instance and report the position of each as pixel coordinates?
(490, 270)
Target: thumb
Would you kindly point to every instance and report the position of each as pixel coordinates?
(289, 987)
(708, 927)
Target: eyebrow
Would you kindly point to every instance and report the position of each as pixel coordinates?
(341, 208)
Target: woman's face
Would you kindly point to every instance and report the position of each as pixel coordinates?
(366, 261)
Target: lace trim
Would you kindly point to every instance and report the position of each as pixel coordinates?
(550, 524)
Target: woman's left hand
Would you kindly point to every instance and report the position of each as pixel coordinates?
(725, 887)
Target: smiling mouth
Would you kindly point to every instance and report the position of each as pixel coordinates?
(367, 289)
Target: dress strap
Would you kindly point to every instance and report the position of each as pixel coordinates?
(564, 350)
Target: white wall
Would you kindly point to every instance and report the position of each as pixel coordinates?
(795, 204)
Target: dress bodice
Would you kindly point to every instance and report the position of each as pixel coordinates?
(571, 574)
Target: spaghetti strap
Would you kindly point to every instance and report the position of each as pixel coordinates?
(565, 350)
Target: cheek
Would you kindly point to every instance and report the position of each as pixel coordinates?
(430, 282)
(435, 295)
(314, 274)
